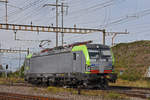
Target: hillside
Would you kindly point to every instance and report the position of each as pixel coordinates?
(133, 58)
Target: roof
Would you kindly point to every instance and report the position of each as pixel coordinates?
(98, 46)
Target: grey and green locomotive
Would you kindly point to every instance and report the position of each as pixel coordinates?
(87, 65)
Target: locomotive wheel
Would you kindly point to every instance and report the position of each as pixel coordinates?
(105, 84)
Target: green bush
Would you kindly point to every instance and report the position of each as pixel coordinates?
(18, 73)
(131, 75)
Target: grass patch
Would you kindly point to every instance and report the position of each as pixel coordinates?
(114, 95)
(10, 80)
(61, 90)
(131, 75)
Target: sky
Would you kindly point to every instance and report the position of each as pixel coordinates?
(112, 15)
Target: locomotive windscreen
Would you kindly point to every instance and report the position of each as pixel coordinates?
(106, 52)
(94, 54)
(96, 51)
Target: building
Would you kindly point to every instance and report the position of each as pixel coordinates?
(147, 74)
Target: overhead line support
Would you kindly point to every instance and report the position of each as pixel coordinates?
(57, 23)
(104, 36)
(74, 30)
(115, 34)
(62, 16)
(17, 27)
(57, 5)
(6, 11)
(13, 51)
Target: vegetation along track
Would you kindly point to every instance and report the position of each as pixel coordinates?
(11, 96)
(132, 91)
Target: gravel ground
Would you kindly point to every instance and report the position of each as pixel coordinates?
(43, 92)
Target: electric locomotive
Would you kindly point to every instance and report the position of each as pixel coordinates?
(79, 64)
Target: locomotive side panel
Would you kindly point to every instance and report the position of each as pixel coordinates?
(57, 63)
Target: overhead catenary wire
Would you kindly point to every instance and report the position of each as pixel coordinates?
(91, 7)
(83, 11)
(80, 13)
(23, 9)
(127, 18)
(74, 16)
(105, 21)
(13, 9)
(79, 36)
(28, 9)
(33, 13)
(15, 13)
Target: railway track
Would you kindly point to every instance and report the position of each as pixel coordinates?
(25, 84)
(127, 88)
(12, 96)
(129, 91)
(132, 91)
(138, 94)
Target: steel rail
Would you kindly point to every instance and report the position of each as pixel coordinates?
(139, 92)
(13, 96)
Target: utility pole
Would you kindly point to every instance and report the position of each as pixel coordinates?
(6, 71)
(112, 43)
(62, 6)
(56, 23)
(115, 34)
(28, 51)
(56, 5)
(62, 14)
(6, 11)
(6, 16)
(104, 36)
(20, 62)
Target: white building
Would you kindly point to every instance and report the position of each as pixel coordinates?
(147, 75)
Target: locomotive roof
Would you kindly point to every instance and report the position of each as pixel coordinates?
(62, 49)
(98, 46)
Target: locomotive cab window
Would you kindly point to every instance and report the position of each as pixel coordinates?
(94, 54)
(106, 53)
